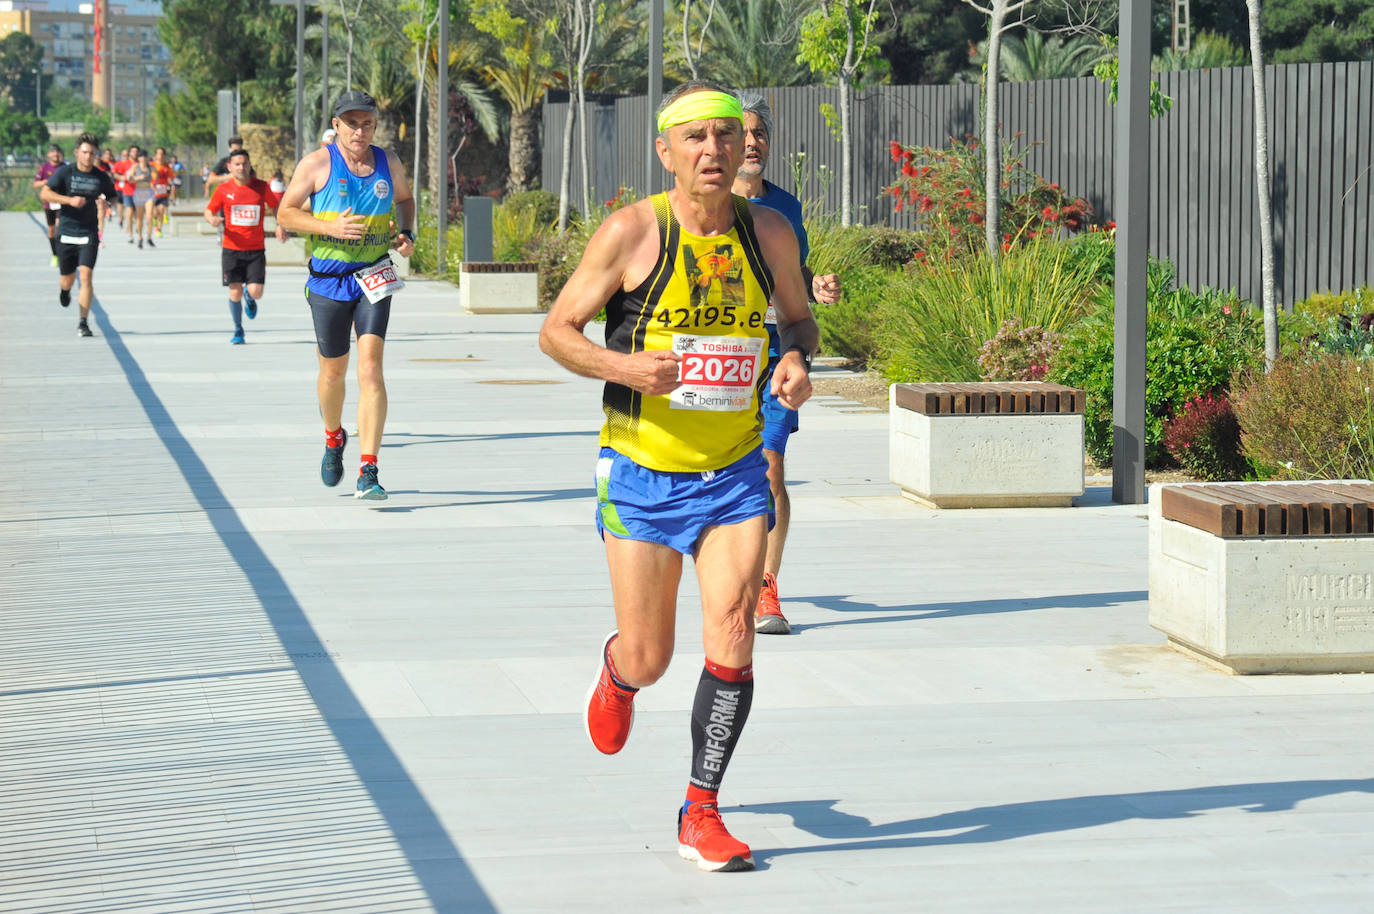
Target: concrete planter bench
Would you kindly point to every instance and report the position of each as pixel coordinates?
(986, 445)
(499, 288)
(1274, 577)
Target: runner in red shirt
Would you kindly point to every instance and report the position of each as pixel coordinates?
(162, 189)
(126, 190)
(239, 205)
(50, 210)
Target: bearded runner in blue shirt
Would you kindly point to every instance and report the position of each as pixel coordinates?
(779, 421)
(356, 192)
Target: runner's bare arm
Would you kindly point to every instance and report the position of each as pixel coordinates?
(309, 177)
(796, 327)
(212, 216)
(599, 276)
(404, 202)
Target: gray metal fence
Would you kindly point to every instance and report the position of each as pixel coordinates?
(1203, 210)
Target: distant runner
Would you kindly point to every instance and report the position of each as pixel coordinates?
(356, 191)
(76, 188)
(162, 190)
(239, 205)
(50, 211)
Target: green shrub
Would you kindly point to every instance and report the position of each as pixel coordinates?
(557, 256)
(848, 326)
(1204, 437)
(542, 203)
(1194, 344)
(935, 322)
(1325, 305)
(1311, 417)
(422, 261)
(514, 228)
(839, 249)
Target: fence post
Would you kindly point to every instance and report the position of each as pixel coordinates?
(1132, 221)
(478, 244)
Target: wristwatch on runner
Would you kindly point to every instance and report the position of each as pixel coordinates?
(805, 354)
(407, 233)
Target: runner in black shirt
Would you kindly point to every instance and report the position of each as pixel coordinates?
(77, 188)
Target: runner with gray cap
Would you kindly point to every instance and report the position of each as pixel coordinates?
(360, 208)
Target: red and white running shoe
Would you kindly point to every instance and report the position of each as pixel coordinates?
(610, 709)
(768, 617)
(701, 837)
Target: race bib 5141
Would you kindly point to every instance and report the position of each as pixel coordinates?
(246, 215)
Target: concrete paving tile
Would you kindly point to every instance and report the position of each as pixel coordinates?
(285, 731)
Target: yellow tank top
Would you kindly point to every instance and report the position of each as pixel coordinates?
(706, 299)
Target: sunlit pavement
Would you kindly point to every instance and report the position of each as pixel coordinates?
(225, 687)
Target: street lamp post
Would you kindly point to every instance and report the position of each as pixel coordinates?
(37, 91)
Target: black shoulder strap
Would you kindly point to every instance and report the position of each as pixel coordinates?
(753, 251)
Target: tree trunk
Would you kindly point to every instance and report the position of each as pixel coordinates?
(438, 120)
(846, 150)
(586, 22)
(524, 150)
(565, 168)
(1265, 205)
(992, 146)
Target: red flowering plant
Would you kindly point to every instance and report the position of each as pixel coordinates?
(945, 187)
(624, 196)
(1204, 437)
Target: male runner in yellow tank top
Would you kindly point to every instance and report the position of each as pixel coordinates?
(685, 278)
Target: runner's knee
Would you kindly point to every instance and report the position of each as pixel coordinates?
(642, 663)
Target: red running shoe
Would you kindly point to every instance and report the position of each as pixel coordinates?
(701, 836)
(610, 709)
(768, 617)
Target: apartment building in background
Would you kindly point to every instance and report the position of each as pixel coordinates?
(137, 65)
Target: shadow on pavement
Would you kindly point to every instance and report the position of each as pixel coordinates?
(518, 497)
(433, 859)
(987, 824)
(923, 611)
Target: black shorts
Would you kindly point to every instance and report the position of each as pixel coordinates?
(243, 266)
(159, 201)
(333, 319)
(71, 256)
(51, 215)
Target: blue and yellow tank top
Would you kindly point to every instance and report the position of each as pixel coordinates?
(705, 299)
(333, 262)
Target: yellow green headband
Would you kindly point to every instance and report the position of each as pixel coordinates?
(700, 106)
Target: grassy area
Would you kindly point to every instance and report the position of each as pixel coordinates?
(16, 190)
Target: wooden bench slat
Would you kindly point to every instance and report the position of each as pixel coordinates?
(998, 398)
(1316, 508)
(1200, 509)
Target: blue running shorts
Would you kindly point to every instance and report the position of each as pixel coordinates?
(779, 422)
(674, 509)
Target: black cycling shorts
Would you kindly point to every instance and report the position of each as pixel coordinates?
(243, 266)
(333, 319)
(70, 256)
(51, 215)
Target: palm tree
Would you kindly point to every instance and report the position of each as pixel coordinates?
(1208, 49)
(521, 77)
(747, 42)
(1044, 56)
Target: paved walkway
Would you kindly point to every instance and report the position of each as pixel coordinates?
(224, 687)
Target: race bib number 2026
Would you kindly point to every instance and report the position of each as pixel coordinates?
(717, 372)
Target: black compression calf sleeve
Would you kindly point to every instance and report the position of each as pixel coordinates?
(724, 696)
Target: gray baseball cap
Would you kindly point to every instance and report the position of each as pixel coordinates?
(354, 101)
